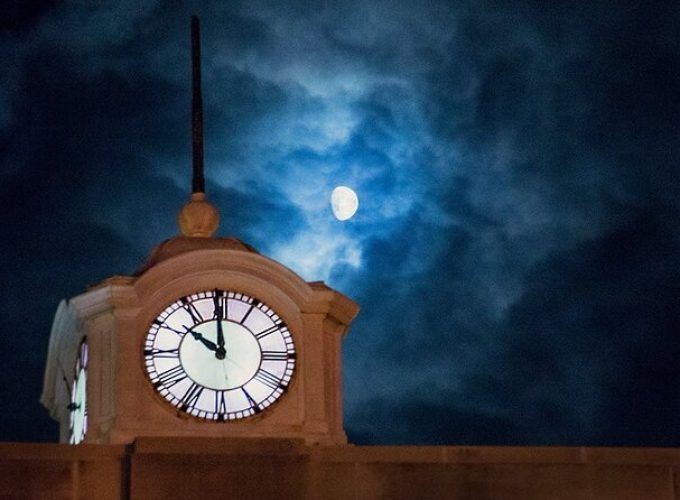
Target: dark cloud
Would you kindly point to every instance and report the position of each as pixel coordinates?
(515, 251)
(20, 16)
(425, 422)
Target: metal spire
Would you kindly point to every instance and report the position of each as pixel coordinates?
(199, 218)
(198, 180)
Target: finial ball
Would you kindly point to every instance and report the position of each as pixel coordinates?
(198, 218)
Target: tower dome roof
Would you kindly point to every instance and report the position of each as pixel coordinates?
(183, 244)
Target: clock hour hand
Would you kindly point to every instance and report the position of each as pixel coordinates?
(210, 345)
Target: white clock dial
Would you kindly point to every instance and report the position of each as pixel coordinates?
(78, 404)
(219, 355)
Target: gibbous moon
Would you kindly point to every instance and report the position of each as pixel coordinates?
(344, 203)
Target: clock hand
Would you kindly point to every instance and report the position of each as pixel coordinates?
(210, 345)
(221, 352)
(220, 333)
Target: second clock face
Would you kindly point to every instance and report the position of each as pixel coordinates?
(78, 404)
(219, 355)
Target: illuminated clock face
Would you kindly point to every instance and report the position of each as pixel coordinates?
(219, 355)
(78, 405)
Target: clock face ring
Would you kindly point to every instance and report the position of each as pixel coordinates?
(219, 355)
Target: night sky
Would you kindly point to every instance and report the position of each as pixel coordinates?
(516, 252)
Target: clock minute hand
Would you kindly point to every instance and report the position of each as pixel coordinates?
(210, 345)
(220, 333)
(220, 352)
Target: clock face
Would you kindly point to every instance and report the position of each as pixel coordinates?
(219, 355)
(78, 405)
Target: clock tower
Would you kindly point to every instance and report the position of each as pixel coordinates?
(208, 338)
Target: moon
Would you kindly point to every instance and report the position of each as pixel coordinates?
(344, 202)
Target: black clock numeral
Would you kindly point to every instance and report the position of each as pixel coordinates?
(162, 353)
(274, 328)
(221, 404)
(170, 377)
(191, 309)
(168, 327)
(220, 302)
(191, 396)
(277, 355)
(251, 401)
(250, 309)
(269, 379)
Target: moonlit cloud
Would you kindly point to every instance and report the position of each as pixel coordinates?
(314, 255)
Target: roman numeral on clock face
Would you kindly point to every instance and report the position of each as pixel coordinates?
(169, 328)
(191, 309)
(277, 355)
(250, 309)
(251, 401)
(191, 396)
(220, 304)
(170, 377)
(162, 353)
(268, 331)
(269, 379)
(220, 404)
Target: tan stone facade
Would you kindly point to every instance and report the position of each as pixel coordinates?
(116, 315)
(168, 468)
